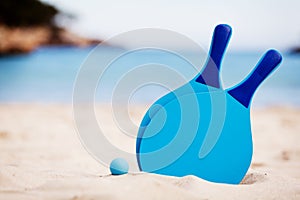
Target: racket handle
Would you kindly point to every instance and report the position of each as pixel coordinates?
(210, 74)
(245, 90)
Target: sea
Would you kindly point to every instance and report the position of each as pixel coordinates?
(48, 75)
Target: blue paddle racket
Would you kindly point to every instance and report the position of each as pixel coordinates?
(200, 129)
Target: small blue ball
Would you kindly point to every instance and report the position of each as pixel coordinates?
(119, 166)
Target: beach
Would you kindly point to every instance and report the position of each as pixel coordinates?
(76, 80)
(41, 157)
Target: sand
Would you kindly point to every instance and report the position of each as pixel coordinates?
(41, 157)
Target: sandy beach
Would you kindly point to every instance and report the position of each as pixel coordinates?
(41, 157)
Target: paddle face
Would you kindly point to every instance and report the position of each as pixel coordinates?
(207, 81)
(204, 140)
(189, 88)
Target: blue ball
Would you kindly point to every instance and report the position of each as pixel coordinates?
(119, 166)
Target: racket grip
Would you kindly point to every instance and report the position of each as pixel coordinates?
(210, 74)
(245, 90)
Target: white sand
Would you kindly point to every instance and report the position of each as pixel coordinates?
(41, 158)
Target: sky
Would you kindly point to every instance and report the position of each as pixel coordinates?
(257, 24)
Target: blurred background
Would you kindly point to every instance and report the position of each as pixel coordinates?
(43, 43)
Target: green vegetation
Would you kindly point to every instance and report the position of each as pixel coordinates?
(26, 13)
(25, 25)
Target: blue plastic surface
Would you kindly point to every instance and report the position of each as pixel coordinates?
(202, 130)
(210, 74)
(245, 90)
(119, 166)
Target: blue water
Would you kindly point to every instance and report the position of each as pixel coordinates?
(47, 75)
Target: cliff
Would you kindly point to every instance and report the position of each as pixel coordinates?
(26, 39)
(25, 25)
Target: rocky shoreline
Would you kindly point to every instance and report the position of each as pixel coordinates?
(295, 50)
(16, 40)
